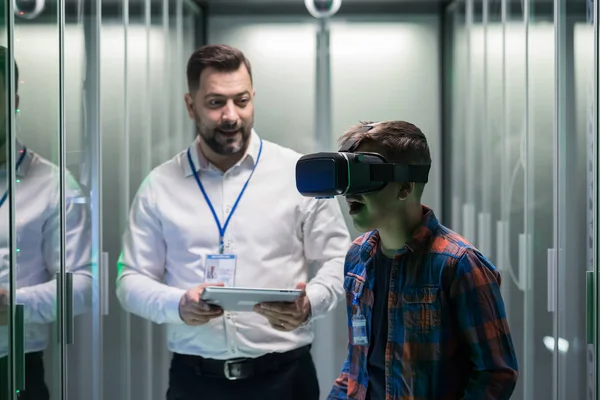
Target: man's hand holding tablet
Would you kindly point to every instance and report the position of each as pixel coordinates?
(287, 316)
(194, 311)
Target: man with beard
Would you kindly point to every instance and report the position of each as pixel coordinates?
(230, 201)
(37, 215)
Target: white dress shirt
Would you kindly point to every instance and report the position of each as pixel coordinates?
(38, 246)
(275, 233)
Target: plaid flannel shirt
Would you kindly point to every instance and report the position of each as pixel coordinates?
(448, 337)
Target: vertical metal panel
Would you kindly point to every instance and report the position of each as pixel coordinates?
(469, 119)
(593, 356)
(146, 326)
(486, 137)
(62, 155)
(526, 276)
(124, 202)
(558, 121)
(166, 80)
(12, 237)
(323, 88)
(592, 194)
(93, 145)
(182, 137)
(147, 154)
(469, 210)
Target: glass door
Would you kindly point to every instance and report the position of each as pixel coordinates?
(85, 270)
(573, 175)
(12, 346)
(539, 255)
(56, 225)
(523, 79)
(38, 258)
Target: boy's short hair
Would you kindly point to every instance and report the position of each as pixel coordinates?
(397, 141)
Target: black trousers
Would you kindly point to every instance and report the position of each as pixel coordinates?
(35, 387)
(294, 381)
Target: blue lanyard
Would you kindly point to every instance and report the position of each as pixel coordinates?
(212, 209)
(23, 152)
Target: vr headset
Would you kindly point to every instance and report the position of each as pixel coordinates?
(346, 173)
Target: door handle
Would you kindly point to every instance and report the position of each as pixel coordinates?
(68, 311)
(104, 284)
(19, 348)
(523, 264)
(589, 320)
(551, 300)
(70, 334)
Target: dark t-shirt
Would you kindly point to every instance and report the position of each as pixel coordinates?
(379, 327)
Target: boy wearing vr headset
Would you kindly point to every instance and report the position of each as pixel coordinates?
(426, 317)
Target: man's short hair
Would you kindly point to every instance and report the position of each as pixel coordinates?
(4, 67)
(397, 141)
(221, 57)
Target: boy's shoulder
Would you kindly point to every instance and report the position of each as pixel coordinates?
(446, 241)
(441, 241)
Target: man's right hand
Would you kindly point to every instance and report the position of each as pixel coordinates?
(194, 311)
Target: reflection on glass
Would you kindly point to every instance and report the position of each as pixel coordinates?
(38, 245)
(537, 109)
(536, 238)
(6, 345)
(139, 132)
(576, 63)
(539, 216)
(39, 251)
(459, 77)
(81, 105)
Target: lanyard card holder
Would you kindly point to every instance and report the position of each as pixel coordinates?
(220, 268)
(359, 326)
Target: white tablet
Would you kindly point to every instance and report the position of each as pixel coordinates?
(244, 299)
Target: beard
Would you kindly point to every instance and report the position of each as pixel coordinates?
(227, 138)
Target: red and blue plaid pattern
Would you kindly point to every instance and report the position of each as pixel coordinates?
(448, 337)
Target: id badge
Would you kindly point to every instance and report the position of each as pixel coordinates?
(220, 268)
(359, 330)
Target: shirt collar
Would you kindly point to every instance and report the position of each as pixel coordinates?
(416, 244)
(202, 164)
